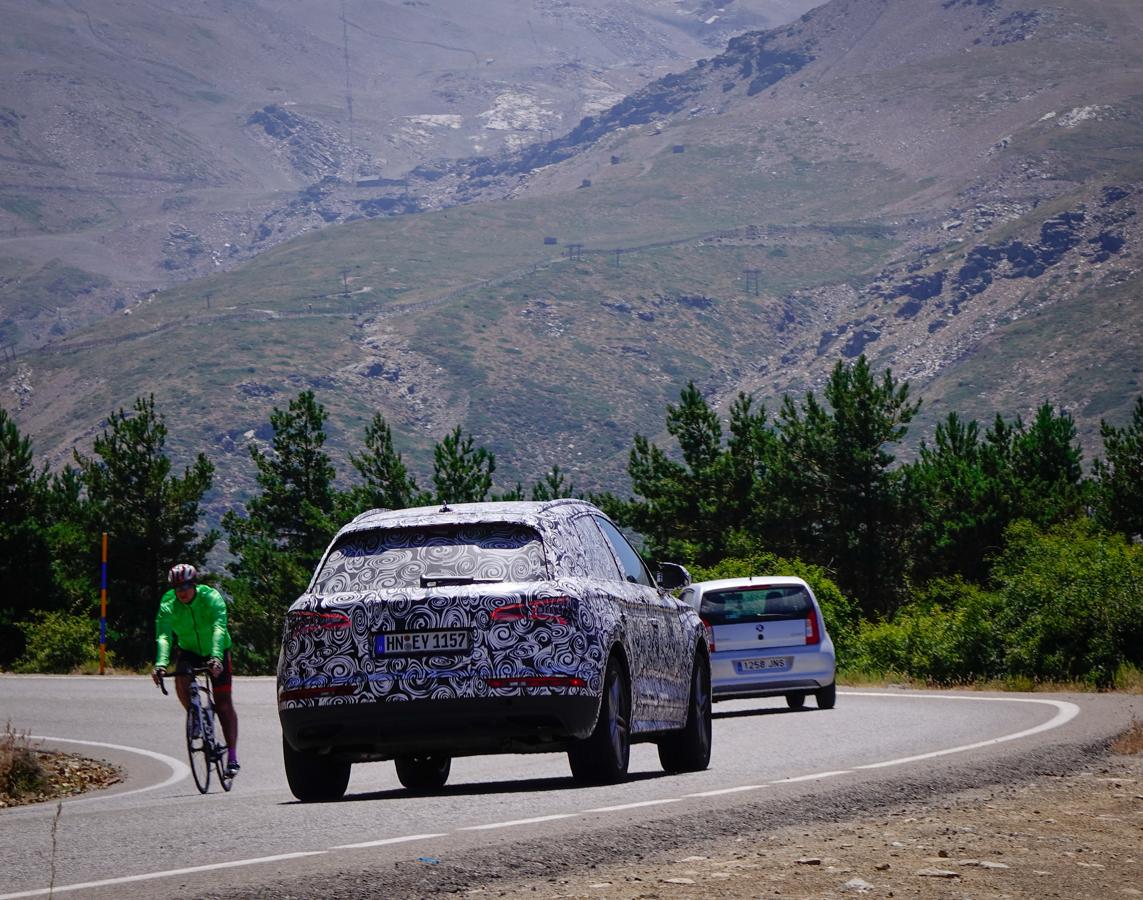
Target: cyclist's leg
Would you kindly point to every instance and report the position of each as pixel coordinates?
(183, 663)
(224, 707)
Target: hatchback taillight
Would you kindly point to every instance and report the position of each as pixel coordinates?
(552, 610)
(813, 633)
(305, 621)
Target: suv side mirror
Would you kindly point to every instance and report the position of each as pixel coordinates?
(672, 576)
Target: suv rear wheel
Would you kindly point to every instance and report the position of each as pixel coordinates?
(603, 756)
(314, 778)
(688, 750)
(423, 773)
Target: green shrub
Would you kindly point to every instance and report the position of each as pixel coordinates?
(1071, 603)
(948, 635)
(58, 642)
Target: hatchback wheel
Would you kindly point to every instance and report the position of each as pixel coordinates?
(314, 778)
(602, 757)
(423, 773)
(826, 697)
(796, 700)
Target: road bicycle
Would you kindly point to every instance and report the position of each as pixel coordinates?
(205, 751)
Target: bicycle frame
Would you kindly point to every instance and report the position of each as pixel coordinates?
(203, 749)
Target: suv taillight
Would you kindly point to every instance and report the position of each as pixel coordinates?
(813, 633)
(552, 610)
(307, 621)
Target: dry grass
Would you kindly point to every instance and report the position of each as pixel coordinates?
(21, 774)
(1130, 742)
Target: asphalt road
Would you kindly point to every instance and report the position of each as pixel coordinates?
(155, 835)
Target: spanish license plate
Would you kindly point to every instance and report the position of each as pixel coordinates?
(411, 643)
(763, 664)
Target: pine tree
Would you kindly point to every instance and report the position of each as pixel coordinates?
(552, 486)
(387, 482)
(25, 559)
(687, 510)
(287, 527)
(151, 516)
(836, 486)
(462, 473)
(1119, 477)
(955, 504)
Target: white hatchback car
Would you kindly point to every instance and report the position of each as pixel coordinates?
(767, 638)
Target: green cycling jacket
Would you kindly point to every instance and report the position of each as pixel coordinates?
(200, 625)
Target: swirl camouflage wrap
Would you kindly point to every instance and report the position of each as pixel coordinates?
(495, 617)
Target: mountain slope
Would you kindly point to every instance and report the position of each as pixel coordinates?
(145, 143)
(949, 187)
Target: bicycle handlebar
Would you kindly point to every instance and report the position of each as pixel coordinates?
(197, 670)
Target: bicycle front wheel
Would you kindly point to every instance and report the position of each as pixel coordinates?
(220, 765)
(199, 747)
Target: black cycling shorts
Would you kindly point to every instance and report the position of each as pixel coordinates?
(185, 661)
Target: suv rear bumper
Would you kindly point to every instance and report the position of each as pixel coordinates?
(452, 727)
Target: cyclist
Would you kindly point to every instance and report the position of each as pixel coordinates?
(196, 615)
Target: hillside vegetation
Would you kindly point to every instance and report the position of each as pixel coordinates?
(949, 188)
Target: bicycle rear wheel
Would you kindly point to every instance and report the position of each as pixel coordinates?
(199, 746)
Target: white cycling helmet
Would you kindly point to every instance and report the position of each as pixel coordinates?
(183, 573)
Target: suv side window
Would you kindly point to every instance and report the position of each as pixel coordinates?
(634, 569)
(597, 555)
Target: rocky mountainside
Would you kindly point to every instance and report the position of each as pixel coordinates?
(948, 186)
(147, 143)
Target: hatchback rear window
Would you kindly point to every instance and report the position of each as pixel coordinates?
(755, 604)
(432, 557)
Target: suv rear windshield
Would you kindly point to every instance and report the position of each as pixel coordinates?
(756, 603)
(432, 557)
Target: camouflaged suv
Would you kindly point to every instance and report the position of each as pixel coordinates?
(508, 627)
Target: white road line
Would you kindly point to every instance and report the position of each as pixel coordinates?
(128, 879)
(1065, 712)
(395, 840)
(518, 822)
(179, 769)
(623, 806)
(733, 790)
(813, 777)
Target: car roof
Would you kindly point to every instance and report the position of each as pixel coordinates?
(750, 581)
(524, 512)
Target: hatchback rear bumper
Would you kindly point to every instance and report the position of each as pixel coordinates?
(452, 727)
(808, 671)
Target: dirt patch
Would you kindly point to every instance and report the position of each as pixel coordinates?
(1074, 836)
(62, 775)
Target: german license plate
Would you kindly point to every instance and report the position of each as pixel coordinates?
(411, 643)
(763, 664)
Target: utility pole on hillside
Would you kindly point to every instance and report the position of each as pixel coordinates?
(348, 92)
